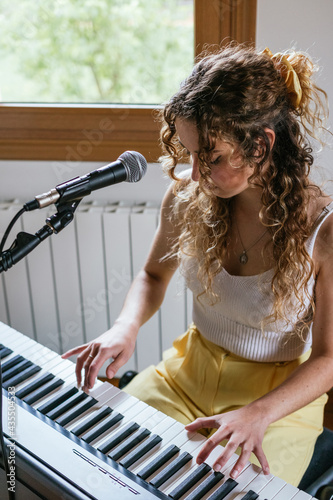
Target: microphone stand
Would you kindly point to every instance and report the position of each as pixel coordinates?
(25, 242)
(22, 246)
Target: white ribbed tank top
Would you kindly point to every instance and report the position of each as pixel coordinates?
(234, 322)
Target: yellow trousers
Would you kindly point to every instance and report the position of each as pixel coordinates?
(198, 378)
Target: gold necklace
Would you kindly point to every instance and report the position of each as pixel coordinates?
(243, 258)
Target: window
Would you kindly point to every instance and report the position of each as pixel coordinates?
(100, 131)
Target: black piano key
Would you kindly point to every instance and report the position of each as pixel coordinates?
(58, 398)
(171, 469)
(6, 365)
(43, 379)
(129, 443)
(94, 418)
(4, 352)
(250, 495)
(43, 391)
(22, 376)
(14, 370)
(66, 405)
(205, 486)
(78, 410)
(103, 426)
(123, 433)
(190, 481)
(141, 450)
(157, 462)
(224, 489)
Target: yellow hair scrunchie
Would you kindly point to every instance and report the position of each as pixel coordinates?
(288, 74)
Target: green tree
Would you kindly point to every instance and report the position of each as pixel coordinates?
(125, 51)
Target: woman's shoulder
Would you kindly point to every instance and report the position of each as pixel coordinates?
(322, 214)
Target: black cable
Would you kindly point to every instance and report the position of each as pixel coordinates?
(9, 228)
(11, 493)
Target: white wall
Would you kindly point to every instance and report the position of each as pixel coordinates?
(307, 26)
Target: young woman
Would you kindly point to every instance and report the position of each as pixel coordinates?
(254, 239)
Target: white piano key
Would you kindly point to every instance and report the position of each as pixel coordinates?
(20, 344)
(9, 333)
(302, 495)
(259, 481)
(271, 489)
(287, 492)
(97, 391)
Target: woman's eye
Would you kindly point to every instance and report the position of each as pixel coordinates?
(216, 161)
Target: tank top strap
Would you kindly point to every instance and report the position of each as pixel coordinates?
(326, 212)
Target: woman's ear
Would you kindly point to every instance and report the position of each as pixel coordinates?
(271, 136)
(260, 148)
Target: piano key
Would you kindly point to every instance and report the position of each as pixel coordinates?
(46, 389)
(36, 384)
(169, 431)
(250, 495)
(288, 491)
(191, 466)
(118, 437)
(141, 450)
(129, 443)
(223, 490)
(190, 481)
(23, 375)
(101, 393)
(302, 495)
(5, 351)
(64, 405)
(92, 419)
(259, 480)
(245, 478)
(14, 370)
(171, 469)
(271, 489)
(103, 426)
(206, 486)
(192, 443)
(12, 361)
(158, 461)
(76, 411)
(130, 416)
(59, 398)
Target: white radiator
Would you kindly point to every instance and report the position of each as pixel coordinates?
(72, 286)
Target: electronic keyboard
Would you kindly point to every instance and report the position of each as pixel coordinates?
(106, 444)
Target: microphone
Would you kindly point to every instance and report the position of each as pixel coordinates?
(131, 166)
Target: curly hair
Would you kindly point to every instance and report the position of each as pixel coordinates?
(235, 95)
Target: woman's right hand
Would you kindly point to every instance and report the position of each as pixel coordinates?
(117, 343)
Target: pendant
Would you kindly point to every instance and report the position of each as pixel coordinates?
(243, 258)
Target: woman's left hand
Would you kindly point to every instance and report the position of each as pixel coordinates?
(242, 428)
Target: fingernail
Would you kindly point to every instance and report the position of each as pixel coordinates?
(234, 473)
(217, 467)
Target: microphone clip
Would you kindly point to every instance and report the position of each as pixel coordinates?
(63, 217)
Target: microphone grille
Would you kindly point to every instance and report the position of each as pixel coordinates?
(135, 165)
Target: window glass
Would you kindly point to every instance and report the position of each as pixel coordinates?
(94, 51)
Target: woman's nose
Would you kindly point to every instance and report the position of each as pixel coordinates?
(195, 168)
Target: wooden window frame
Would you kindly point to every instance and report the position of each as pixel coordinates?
(102, 132)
